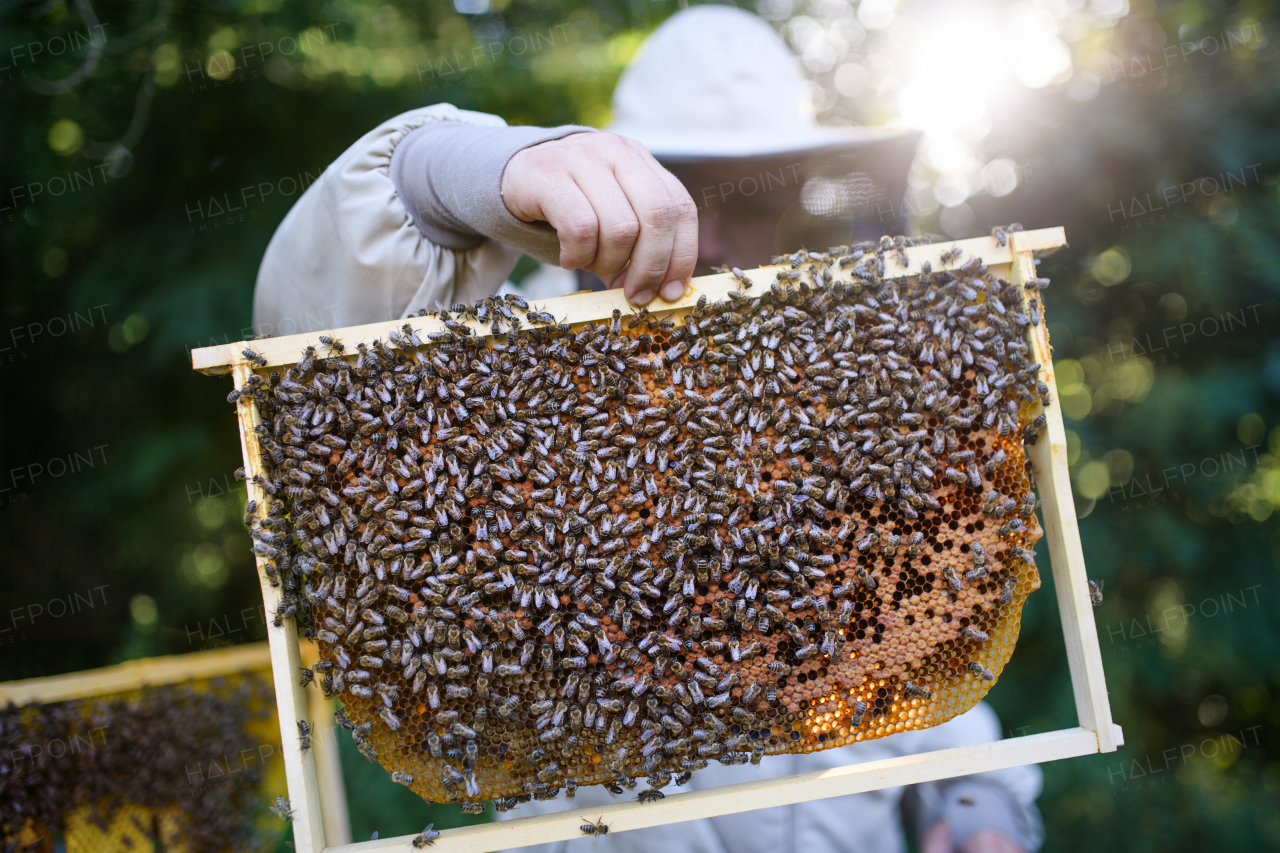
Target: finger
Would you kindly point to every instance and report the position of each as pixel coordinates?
(618, 225)
(612, 282)
(990, 841)
(938, 839)
(684, 247)
(569, 212)
(658, 212)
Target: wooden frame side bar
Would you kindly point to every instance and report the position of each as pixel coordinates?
(733, 799)
(324, 745)
(286, 661)
(136, 674)
(333, 788)
(587, 306)
(1049, 456)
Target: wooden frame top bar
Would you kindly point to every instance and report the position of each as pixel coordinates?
(584, 306)
(136, 674)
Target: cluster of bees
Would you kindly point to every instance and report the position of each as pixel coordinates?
(553, 555)
(138, 754)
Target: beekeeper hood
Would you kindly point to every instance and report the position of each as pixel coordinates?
(716, 82)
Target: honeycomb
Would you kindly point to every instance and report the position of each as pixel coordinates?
(556, 556)
(156, 768)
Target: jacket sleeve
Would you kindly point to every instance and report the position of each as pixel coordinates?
(349, 253)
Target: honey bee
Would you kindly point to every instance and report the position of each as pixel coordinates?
(981, 671)
(426, 838)
(282, 809)
(952, 577)
(865, 578)
(1006, 590)
(911, 689)
(1095, 593)
(1033, 429)
(597, 828)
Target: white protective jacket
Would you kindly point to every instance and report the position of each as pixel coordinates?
(349, 252)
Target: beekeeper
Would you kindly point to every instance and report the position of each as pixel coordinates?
(711, 159)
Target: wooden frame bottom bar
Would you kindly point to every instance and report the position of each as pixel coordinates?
(747, 796)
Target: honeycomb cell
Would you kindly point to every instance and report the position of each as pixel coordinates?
(559, 556)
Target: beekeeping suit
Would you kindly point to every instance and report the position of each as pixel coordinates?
(412, 214)
(351, 251)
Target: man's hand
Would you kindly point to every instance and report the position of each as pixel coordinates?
(617, 212)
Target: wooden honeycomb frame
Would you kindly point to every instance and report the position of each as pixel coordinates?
(1014, 262)
(199, 666)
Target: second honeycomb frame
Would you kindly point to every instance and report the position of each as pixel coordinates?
(1015, 262)
(198, 666)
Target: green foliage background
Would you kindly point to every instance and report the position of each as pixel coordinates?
(107, 286)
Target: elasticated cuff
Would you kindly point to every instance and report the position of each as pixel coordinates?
(449, 177)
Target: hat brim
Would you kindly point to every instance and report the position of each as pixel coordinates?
(723, 144)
